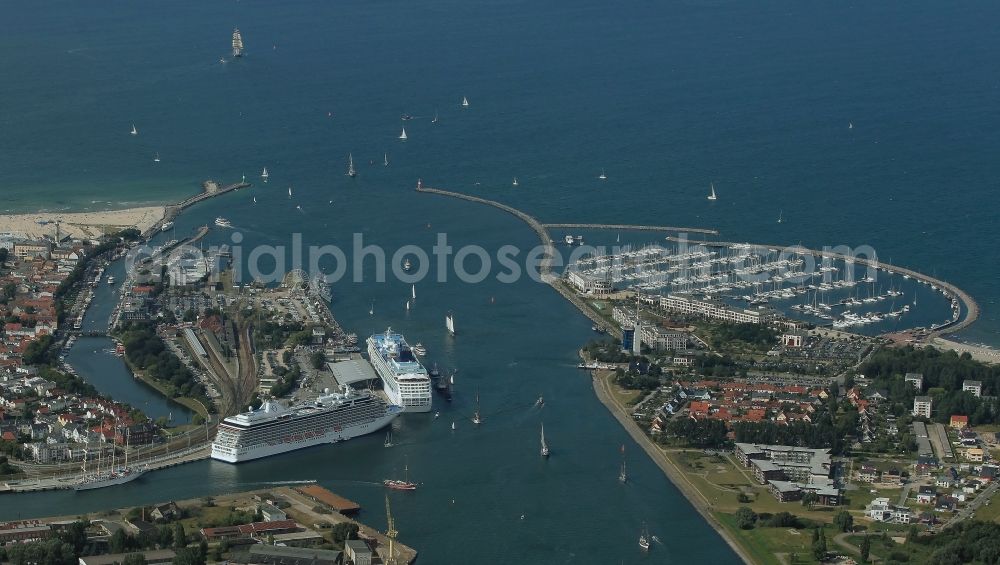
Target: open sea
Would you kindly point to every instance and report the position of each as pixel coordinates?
(665, 97)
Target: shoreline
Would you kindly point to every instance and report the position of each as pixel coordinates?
(87, 225)
(669, 468)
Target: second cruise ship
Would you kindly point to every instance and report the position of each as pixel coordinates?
(404, 379)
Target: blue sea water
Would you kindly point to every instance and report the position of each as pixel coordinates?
(666, 97)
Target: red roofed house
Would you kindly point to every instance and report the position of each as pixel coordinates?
(959, 422)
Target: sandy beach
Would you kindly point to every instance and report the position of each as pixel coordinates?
(80, 224)
(979, 353)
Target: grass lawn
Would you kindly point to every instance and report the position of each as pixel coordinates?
(884, 547)
(764, 543)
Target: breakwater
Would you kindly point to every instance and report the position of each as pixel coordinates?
(970, 307)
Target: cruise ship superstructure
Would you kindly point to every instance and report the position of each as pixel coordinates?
(404, 379)
(273, 428)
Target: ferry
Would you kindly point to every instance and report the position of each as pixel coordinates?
(273, 429)
(166, 226)
(222, 222)
(111, 279)
(404, 380)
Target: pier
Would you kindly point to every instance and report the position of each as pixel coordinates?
(210, 188)
(632, 227)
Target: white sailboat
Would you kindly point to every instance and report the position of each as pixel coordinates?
(545, 446)
(371, 309)
(476, 418)
(449, 323)
(407, 305)
(515, 181)
(385, 157)
(413, 291)
(780, 212)
(156, 159)
(264, 174)
(465, 102)
(603, 176)
(237, 43)
(254, 199)
(402, 136)
(134, 131)
(434, 121)
(289, 192)
(622, 476)
(350, 166)
(453, 426)
(850, 125)
(711, 194)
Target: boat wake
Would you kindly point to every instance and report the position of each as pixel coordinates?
(303, 482)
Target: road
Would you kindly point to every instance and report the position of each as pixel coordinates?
(965, 513)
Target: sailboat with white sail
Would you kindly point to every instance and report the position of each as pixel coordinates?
(622, 475)
(413, 291)
(385, 159)
(237, 43)
(156, 159)
(134, 131)
(351, 172)
(476, 416)
(711, 194)
(264, 174)
(603, 176)
(545, 446)
(402, 136)
(449, 323)
(465, 102)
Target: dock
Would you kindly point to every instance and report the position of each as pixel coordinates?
(66, 482)
(970, 305)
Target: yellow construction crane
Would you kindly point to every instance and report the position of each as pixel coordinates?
(390, 533)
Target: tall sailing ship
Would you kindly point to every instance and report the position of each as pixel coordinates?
(404, 380)
(237, 43)
(273, 428)
(110, 475)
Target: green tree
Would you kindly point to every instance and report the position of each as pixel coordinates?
(866, 548)
(809, 498)
(180, 538)
(118, 542)
(745, 518)
(844, 521)
(819, 546)
(317, 359)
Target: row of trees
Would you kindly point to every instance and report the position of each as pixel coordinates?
(147, 352)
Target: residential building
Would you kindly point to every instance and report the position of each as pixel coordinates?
(958, 422)
(974, 454)
(975, 387)
(24, 531)
(715, 309)
(922, 406)
(272, 513)
(916, 380)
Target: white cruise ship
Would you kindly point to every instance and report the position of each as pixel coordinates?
(274, 429)
(404, 379)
